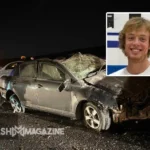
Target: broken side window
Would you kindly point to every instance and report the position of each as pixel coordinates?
(51, 72)
(28, 70)
(11, 66)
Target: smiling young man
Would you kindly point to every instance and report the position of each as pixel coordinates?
(134, 40)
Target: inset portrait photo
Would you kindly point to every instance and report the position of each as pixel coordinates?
(127, 44)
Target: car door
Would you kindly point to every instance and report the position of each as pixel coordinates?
(25, 84)
(50, 77)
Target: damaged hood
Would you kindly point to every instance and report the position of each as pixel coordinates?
(127, 89)
(91, 69)
(133, 93)
(80, 65)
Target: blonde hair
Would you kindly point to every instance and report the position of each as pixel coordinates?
(133, 24)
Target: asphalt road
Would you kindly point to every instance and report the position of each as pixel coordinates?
(128, 136)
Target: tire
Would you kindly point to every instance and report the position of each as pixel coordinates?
(16, 104)
(106, 119)
(96, 118)
(93, 117)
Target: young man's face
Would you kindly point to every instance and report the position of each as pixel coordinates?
(137, 44)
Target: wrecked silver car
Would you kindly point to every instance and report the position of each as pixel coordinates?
(49, 85)
(78, 88)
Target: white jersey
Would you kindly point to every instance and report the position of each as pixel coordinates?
(124, 72)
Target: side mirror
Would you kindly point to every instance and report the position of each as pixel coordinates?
(65, 85)
(61, 87)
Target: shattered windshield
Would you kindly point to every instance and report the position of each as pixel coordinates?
(80, 65)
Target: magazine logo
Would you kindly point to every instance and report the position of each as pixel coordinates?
(13, 131)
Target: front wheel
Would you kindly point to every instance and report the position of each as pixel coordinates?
(95, 118)
(16, 105)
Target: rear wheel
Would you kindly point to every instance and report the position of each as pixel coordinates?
(16, 105)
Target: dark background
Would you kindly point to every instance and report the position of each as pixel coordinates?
(36, 29)
(39, 29)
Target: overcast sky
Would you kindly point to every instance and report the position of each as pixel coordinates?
(36, 29)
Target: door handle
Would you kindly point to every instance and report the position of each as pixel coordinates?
(39, 85)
